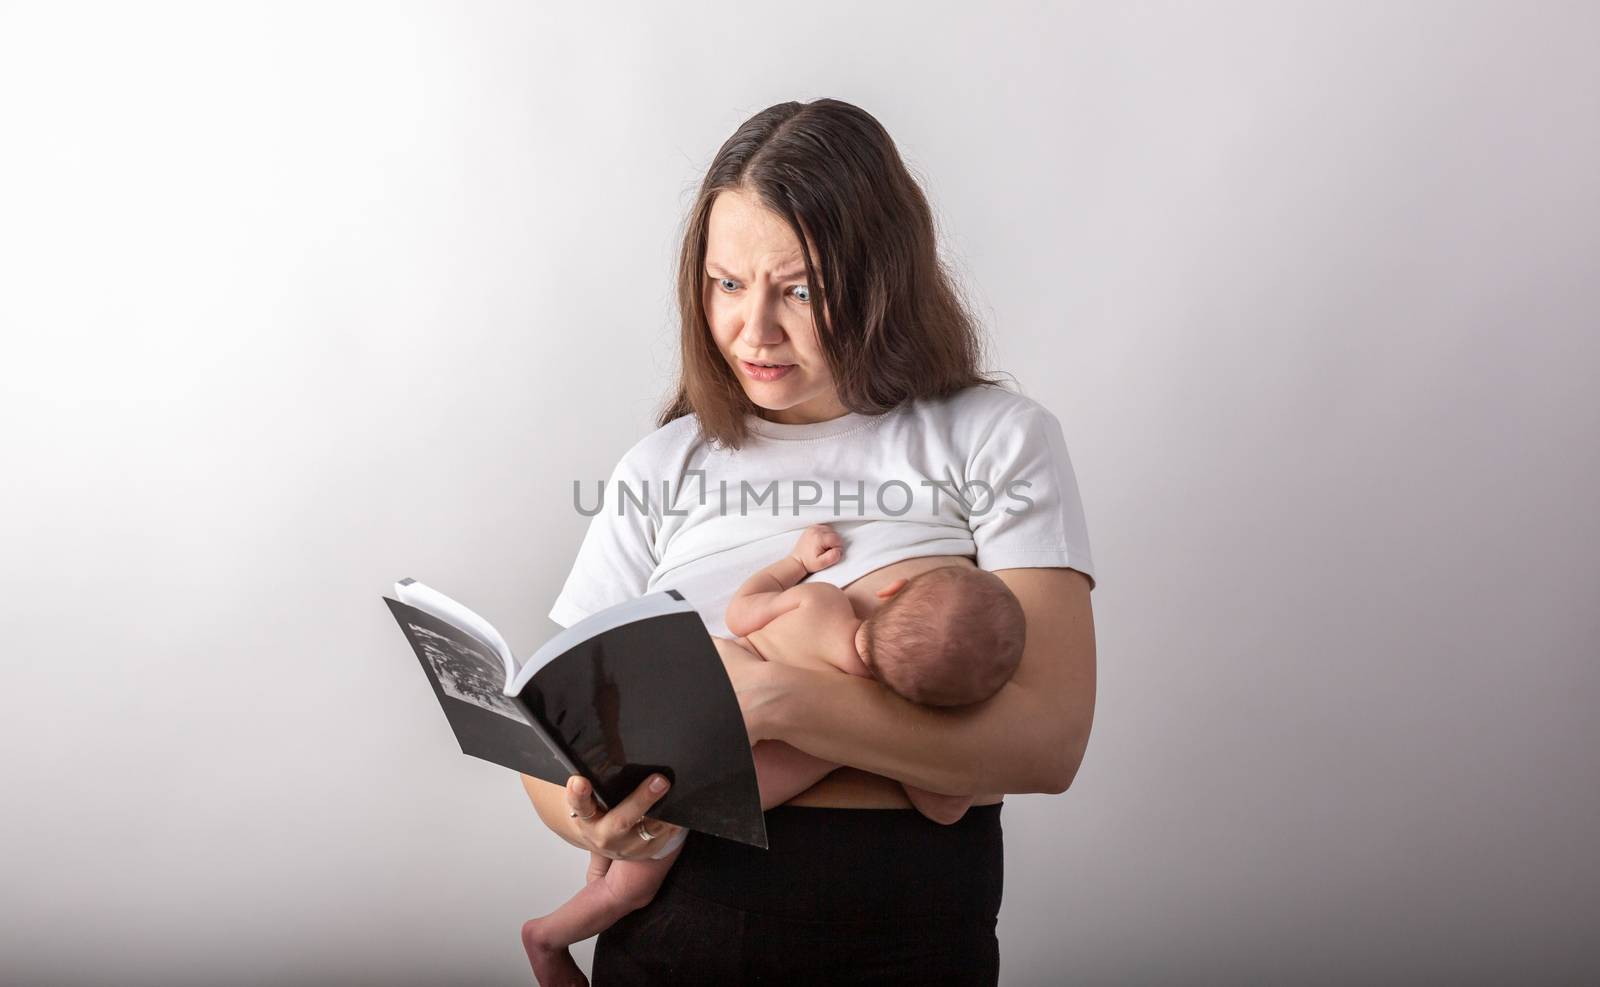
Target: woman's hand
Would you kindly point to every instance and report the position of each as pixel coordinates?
(615, 833)
(760, 685)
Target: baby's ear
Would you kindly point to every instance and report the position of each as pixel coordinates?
(892, 588)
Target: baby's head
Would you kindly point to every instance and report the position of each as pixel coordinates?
(949, 637)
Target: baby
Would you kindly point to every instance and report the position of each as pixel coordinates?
(945, 637)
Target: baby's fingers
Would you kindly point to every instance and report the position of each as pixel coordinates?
(822, 534)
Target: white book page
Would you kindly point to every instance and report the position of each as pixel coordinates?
(434, 603)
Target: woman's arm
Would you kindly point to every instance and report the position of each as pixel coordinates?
(1029, 737)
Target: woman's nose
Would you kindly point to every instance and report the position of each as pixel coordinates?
(760, 328)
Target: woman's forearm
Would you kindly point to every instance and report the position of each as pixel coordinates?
(550, 801)
(784, 771)
(997, 746)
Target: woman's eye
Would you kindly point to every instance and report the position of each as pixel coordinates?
(800, 291)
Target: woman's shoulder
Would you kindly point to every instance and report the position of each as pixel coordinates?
(975, 413)
(662, 452)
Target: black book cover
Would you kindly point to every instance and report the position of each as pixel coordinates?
(646, 695)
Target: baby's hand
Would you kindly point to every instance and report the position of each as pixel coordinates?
(819, 548)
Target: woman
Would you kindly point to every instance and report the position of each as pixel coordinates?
(829, 373)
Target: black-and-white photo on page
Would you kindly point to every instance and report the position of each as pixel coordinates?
(467, 671)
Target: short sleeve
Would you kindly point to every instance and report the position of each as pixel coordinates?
(1034, 517)
(618, 553)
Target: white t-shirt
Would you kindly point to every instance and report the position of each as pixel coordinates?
(983, 473)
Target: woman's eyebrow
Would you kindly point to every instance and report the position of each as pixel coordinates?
(793, 272)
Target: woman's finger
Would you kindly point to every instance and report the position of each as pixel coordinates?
(668, 839)
(615, 834)
(617, 828)
(580, 798)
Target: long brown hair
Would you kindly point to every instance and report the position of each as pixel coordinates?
(893, 325)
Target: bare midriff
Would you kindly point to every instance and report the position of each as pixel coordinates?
(852, 788)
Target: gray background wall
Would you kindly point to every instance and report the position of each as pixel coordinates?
(299, 300)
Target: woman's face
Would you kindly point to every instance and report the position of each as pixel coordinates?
(759, 307)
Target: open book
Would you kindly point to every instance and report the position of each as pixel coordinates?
(634, 689)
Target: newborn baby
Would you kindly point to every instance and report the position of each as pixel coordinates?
(945, 637)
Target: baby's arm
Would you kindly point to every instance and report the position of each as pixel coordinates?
(762, 597)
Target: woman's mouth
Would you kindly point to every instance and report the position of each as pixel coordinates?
(765, 372)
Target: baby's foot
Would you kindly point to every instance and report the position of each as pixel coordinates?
(946, 810)
(553, 965)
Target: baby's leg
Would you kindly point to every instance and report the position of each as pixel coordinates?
(625, 886)
(783, 771)
(942, 809)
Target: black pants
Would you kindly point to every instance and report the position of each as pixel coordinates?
(844, 896)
